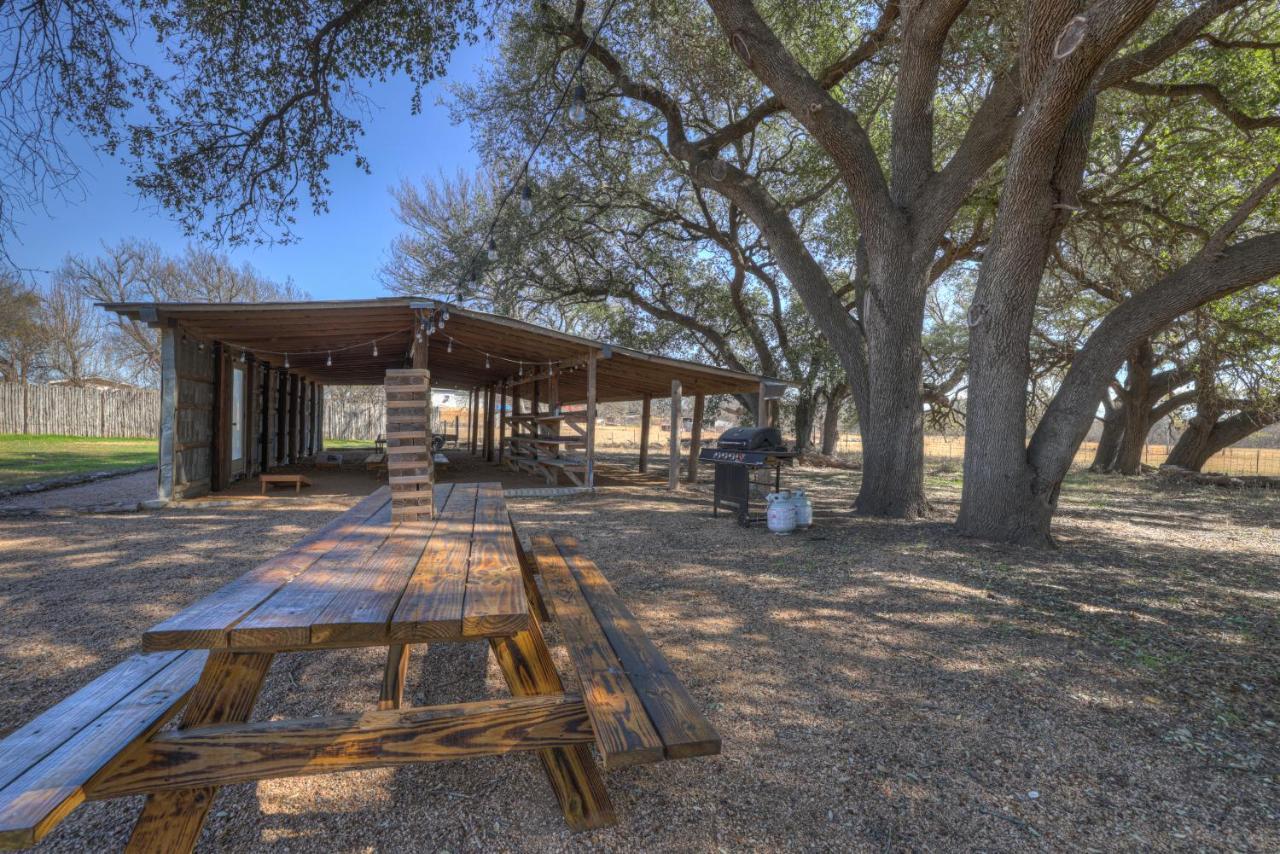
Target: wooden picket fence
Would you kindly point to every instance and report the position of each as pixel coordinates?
(69, 411)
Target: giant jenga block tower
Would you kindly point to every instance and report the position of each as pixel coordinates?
(410, 470)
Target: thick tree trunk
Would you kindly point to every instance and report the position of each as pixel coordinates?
(1137, 409)
(804, 421)
(831, 421)
(1104, 457)
(1191, 451)
(892, 425)
(1203, 437)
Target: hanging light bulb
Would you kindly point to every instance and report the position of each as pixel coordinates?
(526, 200)
(328, 360)
(444, 315)
(486, 361)
(375, 349)
(286, 361)
(242, 357)
(578, 109)
(493, 249)
(449, 349)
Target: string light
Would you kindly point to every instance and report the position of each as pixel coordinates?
(450, 348)
(375, 349)
(286, 360)
(444, 315)
(578, 109)
(328, 360)
(487, 366)
(577, 112)
(526, 199)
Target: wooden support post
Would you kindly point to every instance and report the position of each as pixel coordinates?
(762, 409)
(319, 418)
(645, 413)
(471, 421)
(392, 696)
(695, 436)
(489, 431)
(219, 423)
(282, 417)
(591, 419)
(294, 384)
(168, 410)
(502, 419)
(226, 692)
(268, 411)
(527, 666)
(673, 471)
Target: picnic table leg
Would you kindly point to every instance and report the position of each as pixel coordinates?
(226, 692)
(526, 664)
(393, 677)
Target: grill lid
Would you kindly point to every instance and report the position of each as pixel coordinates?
(751, 439)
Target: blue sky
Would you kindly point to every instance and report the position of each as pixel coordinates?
(339, 253)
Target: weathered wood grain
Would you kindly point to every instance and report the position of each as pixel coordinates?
(228, 688)
(206, 623)
(239, 753)
(42, 795)
(28, 744)
(624, 734)
(526, 664)
(393, 676)
(361, 609)
(286, 618)
(673, 712)
(495, 603)
(431, 607)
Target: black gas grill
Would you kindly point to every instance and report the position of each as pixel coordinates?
(741, 452)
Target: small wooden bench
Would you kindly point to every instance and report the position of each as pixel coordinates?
(50, 766)
(297, 481)
(638, 708)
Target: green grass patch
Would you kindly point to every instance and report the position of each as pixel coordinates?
(24, 459)
(339, 444)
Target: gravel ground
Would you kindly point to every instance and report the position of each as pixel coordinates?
(878, 685)
(126, 488)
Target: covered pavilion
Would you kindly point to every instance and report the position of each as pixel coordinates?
(242, 384)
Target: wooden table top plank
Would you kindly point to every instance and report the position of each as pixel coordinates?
(624, 733)
(205, 624)
(431, 607)
(674, 713)
(362, 609)
(495, 603)
(284, 620)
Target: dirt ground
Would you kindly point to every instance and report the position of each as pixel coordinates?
(878, 685)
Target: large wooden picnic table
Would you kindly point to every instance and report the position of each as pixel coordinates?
(361, 580)
(364, 581)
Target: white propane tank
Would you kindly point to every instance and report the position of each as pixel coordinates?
(804, 508)
(781, 514)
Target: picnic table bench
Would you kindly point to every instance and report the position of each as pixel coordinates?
(361, 581)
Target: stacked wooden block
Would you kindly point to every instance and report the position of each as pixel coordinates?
(410, 471)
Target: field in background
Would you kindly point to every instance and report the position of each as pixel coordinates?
(24, 459)
(950, 449)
